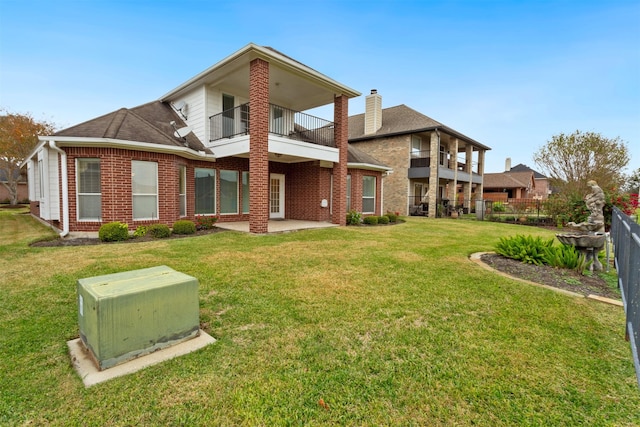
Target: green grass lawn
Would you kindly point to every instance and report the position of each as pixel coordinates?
(387, 325)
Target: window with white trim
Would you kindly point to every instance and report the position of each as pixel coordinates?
(144, 189)
(348, 192)
(228, 192)
(88, 190)
(205, 191)
(182, 189)
(368, 194)
(245, 192)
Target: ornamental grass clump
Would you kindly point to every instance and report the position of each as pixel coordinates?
(113, 232)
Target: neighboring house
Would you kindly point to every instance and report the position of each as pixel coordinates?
(232, 141)
(500, 187)
(518, 182)
(542, 187)
(433, 165)
(23, 193)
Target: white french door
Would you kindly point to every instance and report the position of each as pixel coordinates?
(276, 196)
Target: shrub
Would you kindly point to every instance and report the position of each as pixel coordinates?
(498, 207)
(141, 231)
(354, 217)
(384, 219)
(205, 222)
(370, 220)
(184, 226)
(113, 232)
(530, 250)
(159, 231)
(392, 217)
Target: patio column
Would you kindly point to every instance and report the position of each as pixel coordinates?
(434, 150)
(468, 168)
(479, 193)
(453, 164)
(259, 146)
(340, 119)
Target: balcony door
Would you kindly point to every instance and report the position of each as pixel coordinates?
(227, 115)
(276, 196)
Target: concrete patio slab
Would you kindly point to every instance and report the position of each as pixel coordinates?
(277, 226)
(90, 374)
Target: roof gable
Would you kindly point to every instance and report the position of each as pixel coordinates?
(147, 123)
(524, 168)
(509, 180)
(400, 120)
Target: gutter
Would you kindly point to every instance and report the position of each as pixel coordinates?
(65, 188)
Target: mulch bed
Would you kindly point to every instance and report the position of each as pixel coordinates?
(87, 241)
(562, 278)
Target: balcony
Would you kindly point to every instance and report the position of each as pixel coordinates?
(283, 122)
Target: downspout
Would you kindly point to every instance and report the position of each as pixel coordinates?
(65, 189)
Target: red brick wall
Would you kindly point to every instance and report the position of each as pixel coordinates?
(356, 190)
(259, 145)
(340, 118)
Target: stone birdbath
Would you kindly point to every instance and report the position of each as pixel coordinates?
(589, 237)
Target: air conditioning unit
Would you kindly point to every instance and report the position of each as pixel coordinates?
(126, 315)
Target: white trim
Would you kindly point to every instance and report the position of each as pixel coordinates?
(75, 141)
(368, 166)
(156, 194)
(253, 51)
(78, 219)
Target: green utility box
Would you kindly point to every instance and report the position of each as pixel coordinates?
(126, 315)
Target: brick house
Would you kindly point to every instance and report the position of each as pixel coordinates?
(231, 142)
(433, 165)
(517, 182)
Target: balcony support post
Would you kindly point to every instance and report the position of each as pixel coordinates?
(259, 147)
(341, 117)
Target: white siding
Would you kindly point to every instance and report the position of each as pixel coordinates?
(196, 114)
(53, 185)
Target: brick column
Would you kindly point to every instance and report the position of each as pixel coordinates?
(259, 146)
(340, 118)
(480, 190)
(453, 164)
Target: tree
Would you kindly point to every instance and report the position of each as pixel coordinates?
(18, 136)
(632, 184)
(571, 160)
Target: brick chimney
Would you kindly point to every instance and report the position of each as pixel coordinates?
(507, 164)
(372, 113)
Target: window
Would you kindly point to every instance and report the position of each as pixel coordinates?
(144, 189)
(205, 183)
(245, 192)
(348, 193)
(228, 192)
(88, 191)
(416, 147)
(182, 190)
(368, 194)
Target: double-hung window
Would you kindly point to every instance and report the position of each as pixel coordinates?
(88, 189)
(205, 191)
(228, 192)
(368, 194)
(348, 193)
(245, 192)
(182, 189)
(144, 189)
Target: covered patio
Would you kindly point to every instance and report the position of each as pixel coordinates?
(277, 226)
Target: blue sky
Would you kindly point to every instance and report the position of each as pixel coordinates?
(509, 74)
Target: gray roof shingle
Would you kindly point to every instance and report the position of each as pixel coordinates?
(401, 120)
(149, 123)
